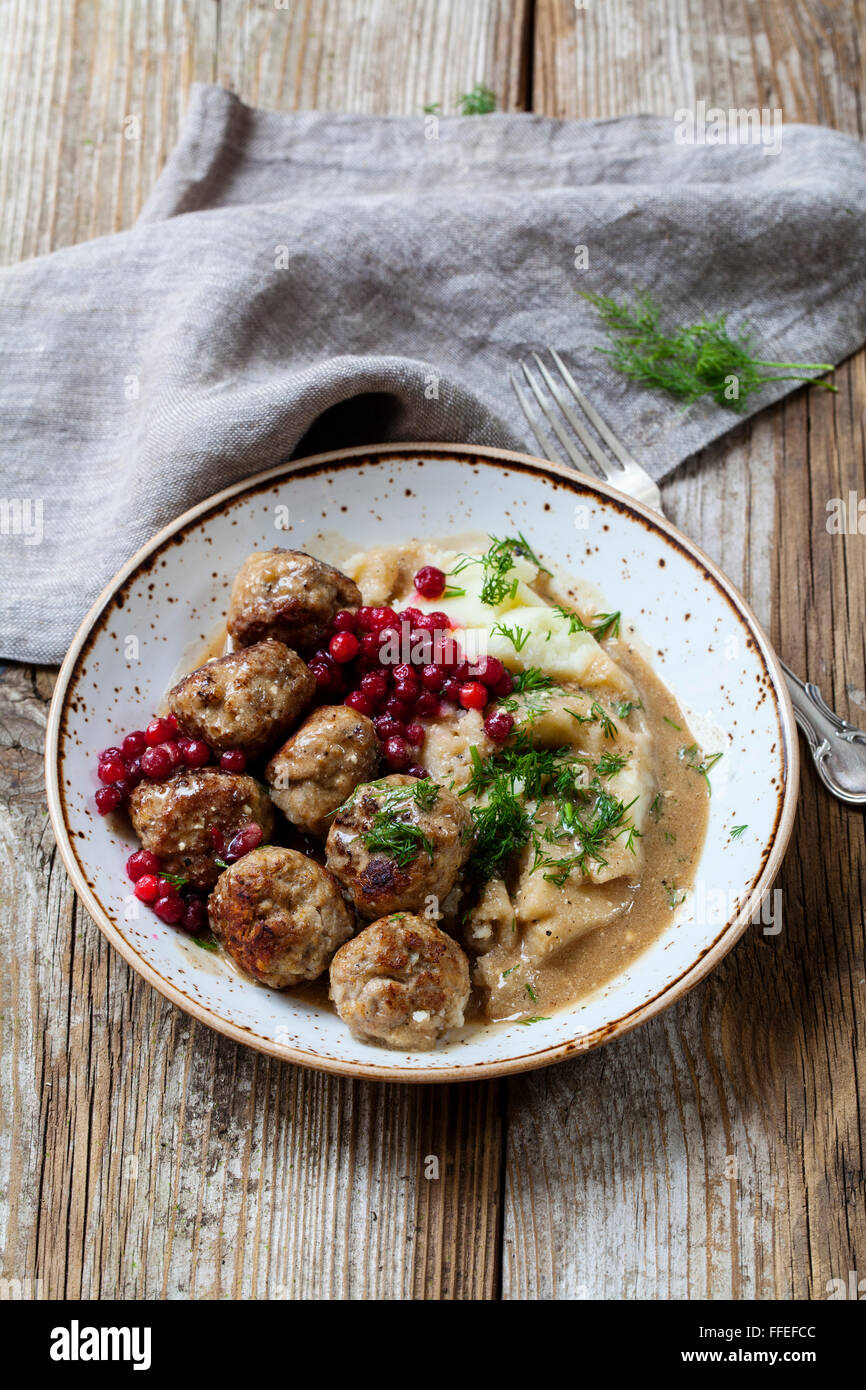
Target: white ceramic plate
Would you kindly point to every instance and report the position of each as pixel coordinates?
(703, 639)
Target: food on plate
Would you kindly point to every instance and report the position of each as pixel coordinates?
(279, 915)
(287, 595)
(245, 700)
(538, 818)
(397, 843)
(190, 820)
(401, 983)
(321, 764)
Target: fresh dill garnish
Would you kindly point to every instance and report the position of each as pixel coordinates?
(532, 679)
(608, 728)
(479, 102)
(624, 708)
(737, 830)
(222, 863)
(609, 764)
(423, 791)
(517, 636)
(207, 943)
(531, 992)
(451, 591)
(700, 762)
(536, 1018)
(703, 359)
(675, 897)
(657, 806)
(176, 879)
(602, 625)
(509, 971)
(672, 724)
(399, 840)
(497, 564)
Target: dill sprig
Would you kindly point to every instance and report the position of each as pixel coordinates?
(399, 840)
(497, 564)
(700, 762)
(602, 625)
(704, 359)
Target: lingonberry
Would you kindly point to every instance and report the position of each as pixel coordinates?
(156, 762)
(416, 770)
(107, 799)
(503, 686)
(158, 731)
(109, 754)
(430, 581)
(344, 646)
(381, 618)
(112, 770)
(134, 744)
(142, 862)
(170, 909)
(362, 618)
(344, 621)
(397, 753)
(147, 888)
(134, 772)
(360, 702)
(387, 726)
(233, 760)
(427, 705)
(451, 690)
(415, 735)
(249, 837)
(195, 752)
(375, 684)
(432, 677)
(194, 915)
(490, 670)
(498, 725)
(473, 695)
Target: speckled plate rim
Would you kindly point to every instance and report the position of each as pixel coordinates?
(729, 934)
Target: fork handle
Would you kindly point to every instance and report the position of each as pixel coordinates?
(838, 749)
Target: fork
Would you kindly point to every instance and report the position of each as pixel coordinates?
(838, 748)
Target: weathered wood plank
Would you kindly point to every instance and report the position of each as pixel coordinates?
(140, 1154)
(718, 1152)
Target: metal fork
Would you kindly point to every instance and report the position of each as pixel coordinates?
(838, 748)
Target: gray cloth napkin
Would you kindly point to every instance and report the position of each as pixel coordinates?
(299, 282)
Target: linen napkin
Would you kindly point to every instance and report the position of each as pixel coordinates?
(305, 281)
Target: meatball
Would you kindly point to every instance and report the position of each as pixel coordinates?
(288, 595)
(174, 819)
(321, 764)
(401, 982)
(246, 700)
(397, 842)
(280, 916)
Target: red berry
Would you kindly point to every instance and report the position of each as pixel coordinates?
(451, 654)
(344, 646)
(490, 670)
(170, 909)
(134, 744)
(362, 618)
(156, 762)
(397, 752)
(415, 735)
(171, 721)
(403, 673)
(233, 760)
(430, 581)
(358, 701)
(370, 645)
(147, 888)
(416, 770)
(437, 621)
(462, 672)
(173, 751)
(427, 705)
(195, 753)
(158, 731)
(473, 695)
(503, 686)
(109, 754)
(194, 915)
(112, 770)
(451, 690)
(344, 621)
(387, 726)
(248, 837)
(134, 773)
(375, 684)
(142, 862)
(397, 708)
(381, 618)
(498, 725)
(432, 678)
(107, 799)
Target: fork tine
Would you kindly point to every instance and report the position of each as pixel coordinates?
(577, 425)
(576, 458)
(545, 443)
(592, 414)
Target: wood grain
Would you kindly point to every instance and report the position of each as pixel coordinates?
(718, 1152)
(141, 1155)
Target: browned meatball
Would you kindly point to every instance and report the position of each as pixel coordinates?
(288, 595)
(246, 700)
(280, 916)
(401, 982)
(321, 764)
(174, 818)
(397, 842)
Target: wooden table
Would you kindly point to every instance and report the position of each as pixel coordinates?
(716, 1152)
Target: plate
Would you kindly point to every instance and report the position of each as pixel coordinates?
(701, 636)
